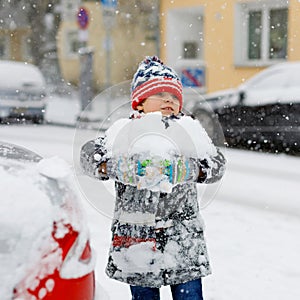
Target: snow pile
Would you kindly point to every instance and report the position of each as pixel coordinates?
(158, 135)
(25, 220)
(54, 167)
(137, 258)
(62, 110)
(157, 138)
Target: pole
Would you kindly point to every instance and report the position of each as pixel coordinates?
(108, 66)
(86, 77)
(109, 15)
(108, 43)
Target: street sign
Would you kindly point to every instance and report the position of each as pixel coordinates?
(109, 3)
(82, 18)
(193, 77)
(109, 12)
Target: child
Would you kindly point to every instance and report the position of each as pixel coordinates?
(157, 236)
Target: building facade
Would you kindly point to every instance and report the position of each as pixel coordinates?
(230, 40)
(212, 44)
(14, 34)
(131, 35)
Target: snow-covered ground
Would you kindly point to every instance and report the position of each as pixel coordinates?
(252, 224)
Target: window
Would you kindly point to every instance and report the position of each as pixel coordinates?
(261, 32)
(70, 9)
(278, 33)
(185, 35)
(4, 47)
(190, 50)
(26, 48)
(254, 35)
(73, 43)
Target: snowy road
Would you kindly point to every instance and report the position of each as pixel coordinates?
(252, 225)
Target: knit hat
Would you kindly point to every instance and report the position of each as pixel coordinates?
(153, 77)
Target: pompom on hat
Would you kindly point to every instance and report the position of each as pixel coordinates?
(153, 77)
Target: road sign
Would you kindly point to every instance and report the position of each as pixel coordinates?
(82, 18)
(193, 77)
(109, 3)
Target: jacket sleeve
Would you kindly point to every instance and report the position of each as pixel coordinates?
(92, 154)
(211, 170)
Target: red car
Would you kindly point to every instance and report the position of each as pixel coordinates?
(45, 251)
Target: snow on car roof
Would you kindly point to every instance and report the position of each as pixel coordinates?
(290, 67)
(17, 75)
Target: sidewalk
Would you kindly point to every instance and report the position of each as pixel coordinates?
(102, 112)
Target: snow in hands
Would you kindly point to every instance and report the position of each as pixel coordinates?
(156, 152)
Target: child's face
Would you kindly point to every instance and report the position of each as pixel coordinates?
(165, 102)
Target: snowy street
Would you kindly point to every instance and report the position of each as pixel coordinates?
(252, 224)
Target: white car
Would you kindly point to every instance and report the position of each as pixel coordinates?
(262, 113)
(278, 83)
(22, 92)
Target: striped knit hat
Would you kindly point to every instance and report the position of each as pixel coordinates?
(153, 77)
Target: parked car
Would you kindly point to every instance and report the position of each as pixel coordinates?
(45, 250)
(22, 92)
(261, 114)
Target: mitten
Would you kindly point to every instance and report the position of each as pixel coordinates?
(130, 170)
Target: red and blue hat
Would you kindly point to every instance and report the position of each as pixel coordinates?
(153, 77)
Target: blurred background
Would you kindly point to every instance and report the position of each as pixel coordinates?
(213, 44)
(85, 47)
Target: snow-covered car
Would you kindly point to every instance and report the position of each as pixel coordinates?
(45, 250)
(261, 114)
(22, 92)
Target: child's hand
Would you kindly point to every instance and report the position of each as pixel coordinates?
(102, 169)
(151, 171)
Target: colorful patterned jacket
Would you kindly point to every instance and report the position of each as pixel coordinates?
(157, 237)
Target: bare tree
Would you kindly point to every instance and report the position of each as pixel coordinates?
(42, 33)
(42, 18)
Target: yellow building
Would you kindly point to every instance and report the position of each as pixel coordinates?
(14, 35)
(231, 40)
(131, 37)
(228, 41)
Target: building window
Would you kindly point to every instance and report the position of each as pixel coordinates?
(254, 35)
(26, 48)
(261, 32)
(73, 43)
(4, 47)
(70, 9)
(185, 35)
(190, 50)
(278, 33)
